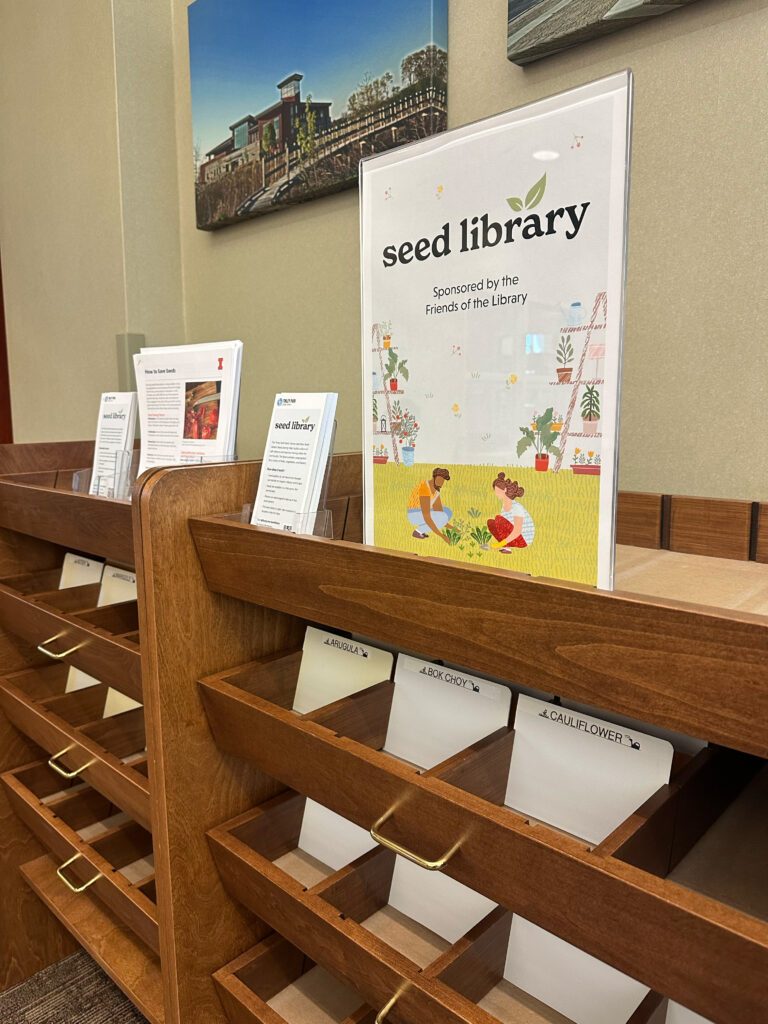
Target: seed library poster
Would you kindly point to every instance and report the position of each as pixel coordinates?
(493, 261)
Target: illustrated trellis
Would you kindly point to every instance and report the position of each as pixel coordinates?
(600, 309)
(377, 337)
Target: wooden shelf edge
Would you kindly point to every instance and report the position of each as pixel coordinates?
(126, 960)
(610, 650)
(103, 655)
(82, 522)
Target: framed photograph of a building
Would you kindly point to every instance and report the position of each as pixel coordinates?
(288, 98)
(539, 28)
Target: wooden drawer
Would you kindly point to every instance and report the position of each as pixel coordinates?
(275, 983)
(70, 628)
(527, 867)
(475, 967)
(344, 922)
(108, 753)
(84, 828)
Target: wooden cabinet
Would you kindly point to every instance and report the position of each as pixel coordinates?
(184, 816)
(75, 784)
(630, 901)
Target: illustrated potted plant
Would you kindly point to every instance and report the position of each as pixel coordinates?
(590, 409)
(557, 422)
(387, 328)
(380, 455)
(564, 359)
(395, 369)
(406, 429)
(542, 438)
(585, 464)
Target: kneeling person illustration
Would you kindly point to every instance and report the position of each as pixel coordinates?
(513, 527)
(426, 511)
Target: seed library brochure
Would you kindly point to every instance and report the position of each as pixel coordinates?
(295, 461)
(188, 402)
(493, 261)
(114, 437)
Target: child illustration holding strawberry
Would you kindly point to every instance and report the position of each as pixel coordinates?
(513, 527)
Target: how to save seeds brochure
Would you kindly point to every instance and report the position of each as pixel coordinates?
(188, 402)
(295, 460)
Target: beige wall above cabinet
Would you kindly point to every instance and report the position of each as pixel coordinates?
(89, 232)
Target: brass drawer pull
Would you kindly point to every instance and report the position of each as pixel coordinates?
(66, 881)
(389, 844)
(58, 655)
(65, 773)
(380, 1016)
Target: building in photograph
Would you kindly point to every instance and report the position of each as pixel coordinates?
(256, 134)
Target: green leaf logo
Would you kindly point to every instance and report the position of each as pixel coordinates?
(536, 194)
(515, 203)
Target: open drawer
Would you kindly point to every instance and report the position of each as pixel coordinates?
(434, 949)
(451, 818)
(101, 850)
(67, 626)
(275, 983)
(108, 753)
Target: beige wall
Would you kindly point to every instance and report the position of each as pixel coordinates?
(60, 223)
(288, 284)
(89, 214)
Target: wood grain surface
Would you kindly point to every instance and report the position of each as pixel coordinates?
(114, 947)
(114, 739)
(638, 519)
(78, 522)
(710, 526)
(125, 900)
(693, 669)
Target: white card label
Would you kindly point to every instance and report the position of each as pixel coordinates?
(584, 989)
(677, 1014)
(117, 585)
(79, 571)
(333, 667)
(331, 838)
(579, 773)
(436, 900)
(436, 712)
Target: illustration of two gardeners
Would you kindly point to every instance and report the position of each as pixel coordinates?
(512, 528)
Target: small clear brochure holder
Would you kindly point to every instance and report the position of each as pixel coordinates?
(116, 483)
(309, 524)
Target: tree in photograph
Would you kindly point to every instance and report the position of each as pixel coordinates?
(425, 66)
(268, 139)
(306, 139)
(370, 93)
(306, 132)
